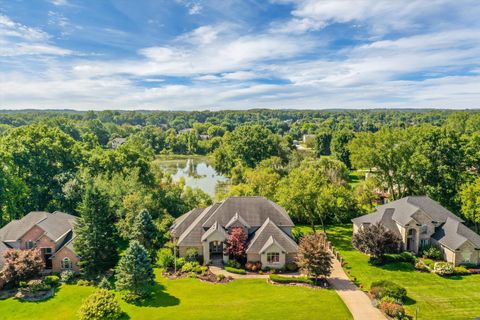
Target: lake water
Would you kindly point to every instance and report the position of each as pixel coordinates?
(196, 171)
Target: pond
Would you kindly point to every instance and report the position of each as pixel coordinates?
(196, 171)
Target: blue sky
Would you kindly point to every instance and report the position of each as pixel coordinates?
(200, 54)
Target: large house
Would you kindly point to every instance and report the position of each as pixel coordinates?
(51, 232)
(268, 226)
(420, 221)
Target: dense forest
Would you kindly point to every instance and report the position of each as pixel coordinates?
(322, 166)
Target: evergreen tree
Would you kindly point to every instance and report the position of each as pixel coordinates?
(95, 242)
(134, 272)
(145, 232)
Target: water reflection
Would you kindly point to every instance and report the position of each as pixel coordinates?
(197, 173)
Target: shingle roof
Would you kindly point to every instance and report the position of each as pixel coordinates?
(185, 220)
(263, 234)
(271, 241)
(192, 235)
(254, 210)
(212, 229)
(403, 210)
(57, 224)
(454, 234)
(238, 218)
(17, 228)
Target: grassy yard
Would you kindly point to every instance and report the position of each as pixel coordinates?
(435, 297)
(193, 299)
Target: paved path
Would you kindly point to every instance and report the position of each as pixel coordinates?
(357, 301)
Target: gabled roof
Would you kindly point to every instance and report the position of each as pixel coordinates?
(57, 225)
(263, 234)
(236, 218)
(14, 230)
(254, 211)
(193, 233)
(403, 210)
(453, 234)
(270, 242)
(185, 220)
(215, 227)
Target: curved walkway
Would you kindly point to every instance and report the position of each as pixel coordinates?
(357, 301)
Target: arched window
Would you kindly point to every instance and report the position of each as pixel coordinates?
(66, 263)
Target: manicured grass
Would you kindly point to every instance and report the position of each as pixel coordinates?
(193, 299)
(435, 297)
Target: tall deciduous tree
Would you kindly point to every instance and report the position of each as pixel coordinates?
(470, 199)
(339, 145)
(314, 257)
(237, 243)
(134, 272)
(96, 241)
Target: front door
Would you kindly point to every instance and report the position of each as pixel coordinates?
(411, 245)
(47, 255)
(216, 248)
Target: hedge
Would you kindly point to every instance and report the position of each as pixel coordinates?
(385, 288)
(283, 279)
(235, 270)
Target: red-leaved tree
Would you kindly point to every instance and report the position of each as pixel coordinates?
(21, 265)
(237, 243)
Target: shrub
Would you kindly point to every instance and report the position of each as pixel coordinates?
(21, 265)
(235, 270)
(233, 264)
(104, 284)
(165, 258)
(314, 257)
(443, 268)
(85, 283)
(376, 240)
(192, 275)
(392, 309)
(52, 281)
(461, 271)
(180, 262)
(420, 266)
(191, 255)
(469, 265)
(220, 277)
(101, 305)
(432, 252)
(283, 279)
(429, 263)
(67, 276)
(253, 266)
(22, 284)
(385, 288)
(37, 285)
(292, 267)
(192, 267)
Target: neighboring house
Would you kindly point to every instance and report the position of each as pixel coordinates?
(420, 221)
(268, 226)
(117, 142)
(51, 232)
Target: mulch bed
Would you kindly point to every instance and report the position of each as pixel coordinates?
(321, 284)
(207, 277)
(35, 296)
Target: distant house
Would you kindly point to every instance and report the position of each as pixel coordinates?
(51, 232)
(419, 221)
(268, 226)
(204, 136)
(117, 142)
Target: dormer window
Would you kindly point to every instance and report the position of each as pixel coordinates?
(424, 229)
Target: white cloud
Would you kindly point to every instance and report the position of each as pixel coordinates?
(59, 2)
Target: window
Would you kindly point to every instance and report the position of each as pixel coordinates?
(66, 264)
(273, 257)
(423, 243)
(47, 250)
(29, 244)
(424, 228)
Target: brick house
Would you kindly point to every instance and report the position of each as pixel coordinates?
(51, 232)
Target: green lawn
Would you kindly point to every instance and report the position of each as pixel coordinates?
(193, 299)
(435, 297)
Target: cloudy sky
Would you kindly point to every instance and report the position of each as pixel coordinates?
(222, 54)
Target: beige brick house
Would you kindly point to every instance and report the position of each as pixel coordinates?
(420, 221)
(51, 232)
(268, 226)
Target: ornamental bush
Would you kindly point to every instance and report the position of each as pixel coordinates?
(67, 276)
(52, 281)
(392, 309)
(191, 255)
(432, 252)
(444, 268)
(461, 271)
(283, 279)
(101, 305)
(385, 288)
(235, 270)
(165, 258)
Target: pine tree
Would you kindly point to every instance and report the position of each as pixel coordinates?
(134, 272)
(145, 232)
(95, 242)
